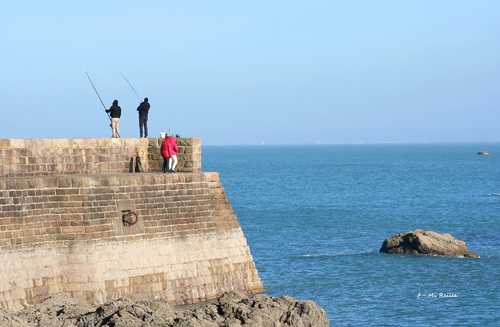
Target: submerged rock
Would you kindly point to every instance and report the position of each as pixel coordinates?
(426, 242)
(231, 309)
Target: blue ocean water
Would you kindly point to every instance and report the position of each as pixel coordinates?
(315, 217)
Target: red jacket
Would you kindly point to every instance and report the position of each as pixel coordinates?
(169, 147)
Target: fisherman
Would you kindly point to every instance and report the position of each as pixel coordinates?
(115, 112)
(143, 110)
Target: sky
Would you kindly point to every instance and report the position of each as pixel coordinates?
(254, 72)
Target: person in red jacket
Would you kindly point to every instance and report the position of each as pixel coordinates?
(169, 150)
(174, 149)
(165, 155)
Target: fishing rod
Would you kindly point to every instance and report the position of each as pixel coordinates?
(94, 88)
(138, 97)
(91, 83)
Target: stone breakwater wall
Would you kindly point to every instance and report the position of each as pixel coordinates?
(40, 157)
(66, 233)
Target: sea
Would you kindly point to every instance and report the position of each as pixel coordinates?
(315, 217)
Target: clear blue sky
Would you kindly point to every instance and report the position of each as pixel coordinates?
(247, 72)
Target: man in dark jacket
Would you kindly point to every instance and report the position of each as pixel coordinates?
(115, 113)
(143, 110)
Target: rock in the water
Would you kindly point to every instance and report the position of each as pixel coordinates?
(231, 309)
(426, 242)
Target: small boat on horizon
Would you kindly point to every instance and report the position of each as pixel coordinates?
(483, 153)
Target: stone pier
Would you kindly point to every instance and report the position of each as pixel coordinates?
(77, 217)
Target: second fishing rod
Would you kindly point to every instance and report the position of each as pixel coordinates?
(143, 110)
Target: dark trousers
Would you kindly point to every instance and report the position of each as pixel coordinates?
(143, 126)
(165, 165)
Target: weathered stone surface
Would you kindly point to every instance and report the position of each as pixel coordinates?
(422, 242)
(231, 309)
(41, 157)
(66, 234)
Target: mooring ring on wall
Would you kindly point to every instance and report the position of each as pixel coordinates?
(129, 218)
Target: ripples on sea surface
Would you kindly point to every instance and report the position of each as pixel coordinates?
(315, 217)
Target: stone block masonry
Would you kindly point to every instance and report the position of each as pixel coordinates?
(40, 157)
(65, 233)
